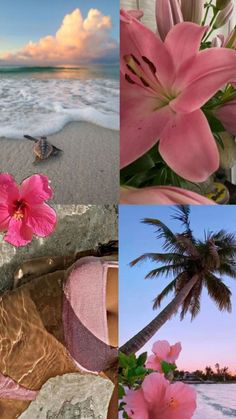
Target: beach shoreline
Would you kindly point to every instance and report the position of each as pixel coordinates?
(86, 171)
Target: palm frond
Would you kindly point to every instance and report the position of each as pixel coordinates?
(219, 292)
(182, 214)
(170, 287)
(187, 245)
(163, 232)
(160, 257)
(228, 269)
(165, 271)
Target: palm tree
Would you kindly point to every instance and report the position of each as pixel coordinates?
(194, 264)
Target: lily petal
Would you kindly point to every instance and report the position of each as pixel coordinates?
(41, 219)
(138, 40)
(36, 189)
(209, 71)
(227, 115)
(141, 125)
(197, 157)
(162, 195)
(18, 234)
(183, 42)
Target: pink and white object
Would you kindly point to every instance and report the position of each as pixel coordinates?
(85, 315)
(9, 389)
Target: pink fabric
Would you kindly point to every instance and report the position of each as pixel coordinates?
(85, 316)
(9, 389)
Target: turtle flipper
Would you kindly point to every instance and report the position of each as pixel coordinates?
(56, 150)
(28, 137)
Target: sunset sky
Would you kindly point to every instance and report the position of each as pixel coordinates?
(58, 32)
(210, 338)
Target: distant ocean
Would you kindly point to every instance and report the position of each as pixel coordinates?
(216, 401)
(42, 100)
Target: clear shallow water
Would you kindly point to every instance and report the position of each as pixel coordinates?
(41, 101)
(216, 401)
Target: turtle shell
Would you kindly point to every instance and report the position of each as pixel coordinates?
(43, 149)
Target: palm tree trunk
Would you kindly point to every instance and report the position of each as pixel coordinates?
(139, 340)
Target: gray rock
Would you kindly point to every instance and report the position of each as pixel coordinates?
(72, 396)
(79, 227)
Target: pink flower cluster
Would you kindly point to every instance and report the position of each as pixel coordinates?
(157, 398)
(23, 211)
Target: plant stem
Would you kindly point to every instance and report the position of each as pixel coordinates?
(206, 13)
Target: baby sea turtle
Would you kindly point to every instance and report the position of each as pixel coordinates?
(43, 149)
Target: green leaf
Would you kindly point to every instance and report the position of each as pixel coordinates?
(132, 360)
(142, 359)
(166, 367)
(140, 371)
(121, 391)
(143, 164)
(123, 360)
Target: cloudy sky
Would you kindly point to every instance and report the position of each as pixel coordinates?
(58, 32)
(210, 338)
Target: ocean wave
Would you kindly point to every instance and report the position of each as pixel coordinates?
(44, 106)
(215, 401)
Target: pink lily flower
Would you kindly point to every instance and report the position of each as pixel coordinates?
(162, 195)
(23, 211)
(163, 351)
(168, 14)
(158, 399)
(163, 87)
(138, 14)
(227, 115)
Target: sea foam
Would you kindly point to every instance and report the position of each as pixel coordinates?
(44, 105)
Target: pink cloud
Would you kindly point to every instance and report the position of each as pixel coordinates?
(78, 40)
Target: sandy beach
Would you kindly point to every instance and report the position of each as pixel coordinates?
(85, 173)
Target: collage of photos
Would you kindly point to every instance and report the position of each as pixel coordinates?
(118, 209)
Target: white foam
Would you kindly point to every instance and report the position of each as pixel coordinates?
(215, 401)
(44, 106)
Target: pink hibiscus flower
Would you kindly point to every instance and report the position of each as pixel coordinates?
(163, 351)
(23, 211)
(158, 399)
(162, 195)
(163, 87)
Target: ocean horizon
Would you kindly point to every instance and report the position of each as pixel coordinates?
(41, 100)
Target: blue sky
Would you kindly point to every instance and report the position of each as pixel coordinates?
(210, 338)
(53, 32)
(24, 20)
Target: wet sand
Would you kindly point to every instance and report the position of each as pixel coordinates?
(87, 172)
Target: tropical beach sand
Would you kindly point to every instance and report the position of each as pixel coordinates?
(85, 173)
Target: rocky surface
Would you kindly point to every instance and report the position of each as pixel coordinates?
(77, 396)
(79, 227)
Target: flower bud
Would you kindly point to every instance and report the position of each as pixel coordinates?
(168, 14)
(221, 4)
(192, 10)
(224, 16)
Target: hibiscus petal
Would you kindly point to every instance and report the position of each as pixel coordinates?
(141, 123)
(41, 219)
(18, 234)
(174, 352)
(188, 147)
(154, 387)
(200, 79)
(8, 188)
(138, 40)
(185, 396)
(161, 348)
(183, 42)
(36, 189)
(5, 217)
(135, 405)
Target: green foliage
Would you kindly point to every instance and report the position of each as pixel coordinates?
(132, 372)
